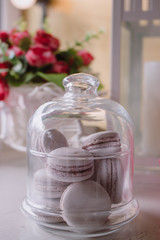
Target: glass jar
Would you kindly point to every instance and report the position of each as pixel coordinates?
(80, 162)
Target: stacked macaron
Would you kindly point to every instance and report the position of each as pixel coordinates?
(47, 193)
(80, 183)
(70, 164)
(102, 143)
(105, 147)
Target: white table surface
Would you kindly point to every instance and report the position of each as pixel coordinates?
(14, 226)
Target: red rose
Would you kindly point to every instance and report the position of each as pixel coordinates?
(16, 50)
(5, 66)
(60, 67)
(86, 57)
(39, 55)
(17, 38)
(4, 36)
(4, 89)
(47, 40)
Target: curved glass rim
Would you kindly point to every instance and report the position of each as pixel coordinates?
(125, 213)
(124, 151)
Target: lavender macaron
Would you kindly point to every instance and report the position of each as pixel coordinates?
(49, 140)
(102, 143)
(47, 187)
(69, 164)
(85, 205)
(110, 175)
(47, 193)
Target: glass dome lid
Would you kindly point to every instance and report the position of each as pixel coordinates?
(80, 162)
(79, 113)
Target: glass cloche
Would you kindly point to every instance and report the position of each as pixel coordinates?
(80, 162)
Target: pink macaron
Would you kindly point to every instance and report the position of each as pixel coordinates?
(69, 164)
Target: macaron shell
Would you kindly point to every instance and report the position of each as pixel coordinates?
(110, 175)
(70, 164)
(70, 175)
(71, 153)
(117, 181)
(51, 203)
(47, 187)
(100, 137)
(82, 204)
(40, 217)
(52, 139)
(48, 218)
(102, 152)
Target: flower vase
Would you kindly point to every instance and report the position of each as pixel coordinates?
(16, 110)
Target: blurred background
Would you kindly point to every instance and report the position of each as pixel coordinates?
(69, 20)
(126, 56)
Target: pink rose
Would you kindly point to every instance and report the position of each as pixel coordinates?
(86, 57)
(4, 36)
(17, 38)
(4, 89)
(39, 55)
(47, 40)
(16, 50)
(60, 67)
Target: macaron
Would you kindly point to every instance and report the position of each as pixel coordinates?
(52, 215)
(47, 187)
(86, 205)
(102, 143)
(110, 174)
(49, 140)
(42, 217)
(69, 164)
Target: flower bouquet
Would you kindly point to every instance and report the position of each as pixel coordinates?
(32, 68)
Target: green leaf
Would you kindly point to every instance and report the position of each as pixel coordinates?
(25, 43)
(14, 79)
(100, 86)
(87, 37)
(78, 43)
(46, 26)
(66, 55)
(21, 24)
(3, 50)
(53, 77)
(19, 65)
(29, 76)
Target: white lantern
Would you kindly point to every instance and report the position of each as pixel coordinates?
(23, 4)
(135, 68)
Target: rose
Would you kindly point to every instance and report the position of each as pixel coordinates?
(86, 57)
(4, 89)
(4, 36)
(47, 40)
(60, 67)
(39, 55)
(17, 51)
(20, 39)
(16, 37)
(4, 68)
(5, 65)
